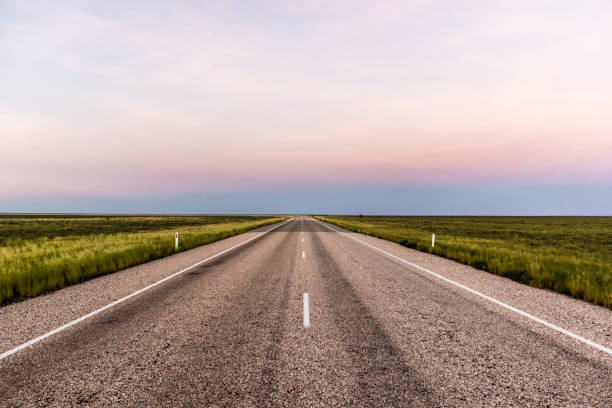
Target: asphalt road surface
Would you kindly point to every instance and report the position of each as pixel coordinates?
(231, 332)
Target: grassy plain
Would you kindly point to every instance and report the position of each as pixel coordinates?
(39, 253)
(570, 255)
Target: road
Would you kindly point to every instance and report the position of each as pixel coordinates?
(231, 332)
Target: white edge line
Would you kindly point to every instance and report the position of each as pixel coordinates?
(123, 299)
(482, 295)
(306, 311)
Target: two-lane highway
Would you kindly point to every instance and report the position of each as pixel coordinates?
(231, 332)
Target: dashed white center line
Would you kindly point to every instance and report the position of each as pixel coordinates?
(306, 311)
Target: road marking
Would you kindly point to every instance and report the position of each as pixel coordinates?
(123, 299)
(482, 295)
(303, 254)
(306, 311)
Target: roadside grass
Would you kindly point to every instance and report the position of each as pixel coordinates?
(43, 253)
(570, 255)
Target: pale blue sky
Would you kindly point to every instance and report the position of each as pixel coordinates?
(415, 106)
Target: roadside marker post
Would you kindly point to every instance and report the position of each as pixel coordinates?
(176, 240)
(477, 293)
(433, 240)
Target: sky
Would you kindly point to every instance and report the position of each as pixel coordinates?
(374, 107)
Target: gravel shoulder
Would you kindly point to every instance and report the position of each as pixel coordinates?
(22, 321)
(200, 339)
(230, 333)
(470, 351)
(583, 318)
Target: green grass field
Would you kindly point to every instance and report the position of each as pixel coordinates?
(39, 253)
(570, 255)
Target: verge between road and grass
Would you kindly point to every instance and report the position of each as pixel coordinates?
(569, 255)
(58, 252)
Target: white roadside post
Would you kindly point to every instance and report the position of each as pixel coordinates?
(176, 241)
(433, 240)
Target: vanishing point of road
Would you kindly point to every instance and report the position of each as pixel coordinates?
(304, 314)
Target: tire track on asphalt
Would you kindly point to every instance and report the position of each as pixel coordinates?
(467, 349)
(142, 312)
(236, 358)
(452, 298)
(128, 297)
(384, 378)
(478, 293)
(268, 382)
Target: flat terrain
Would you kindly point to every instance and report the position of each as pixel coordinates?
(39, 253)
(570, 255)
(230, 332)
